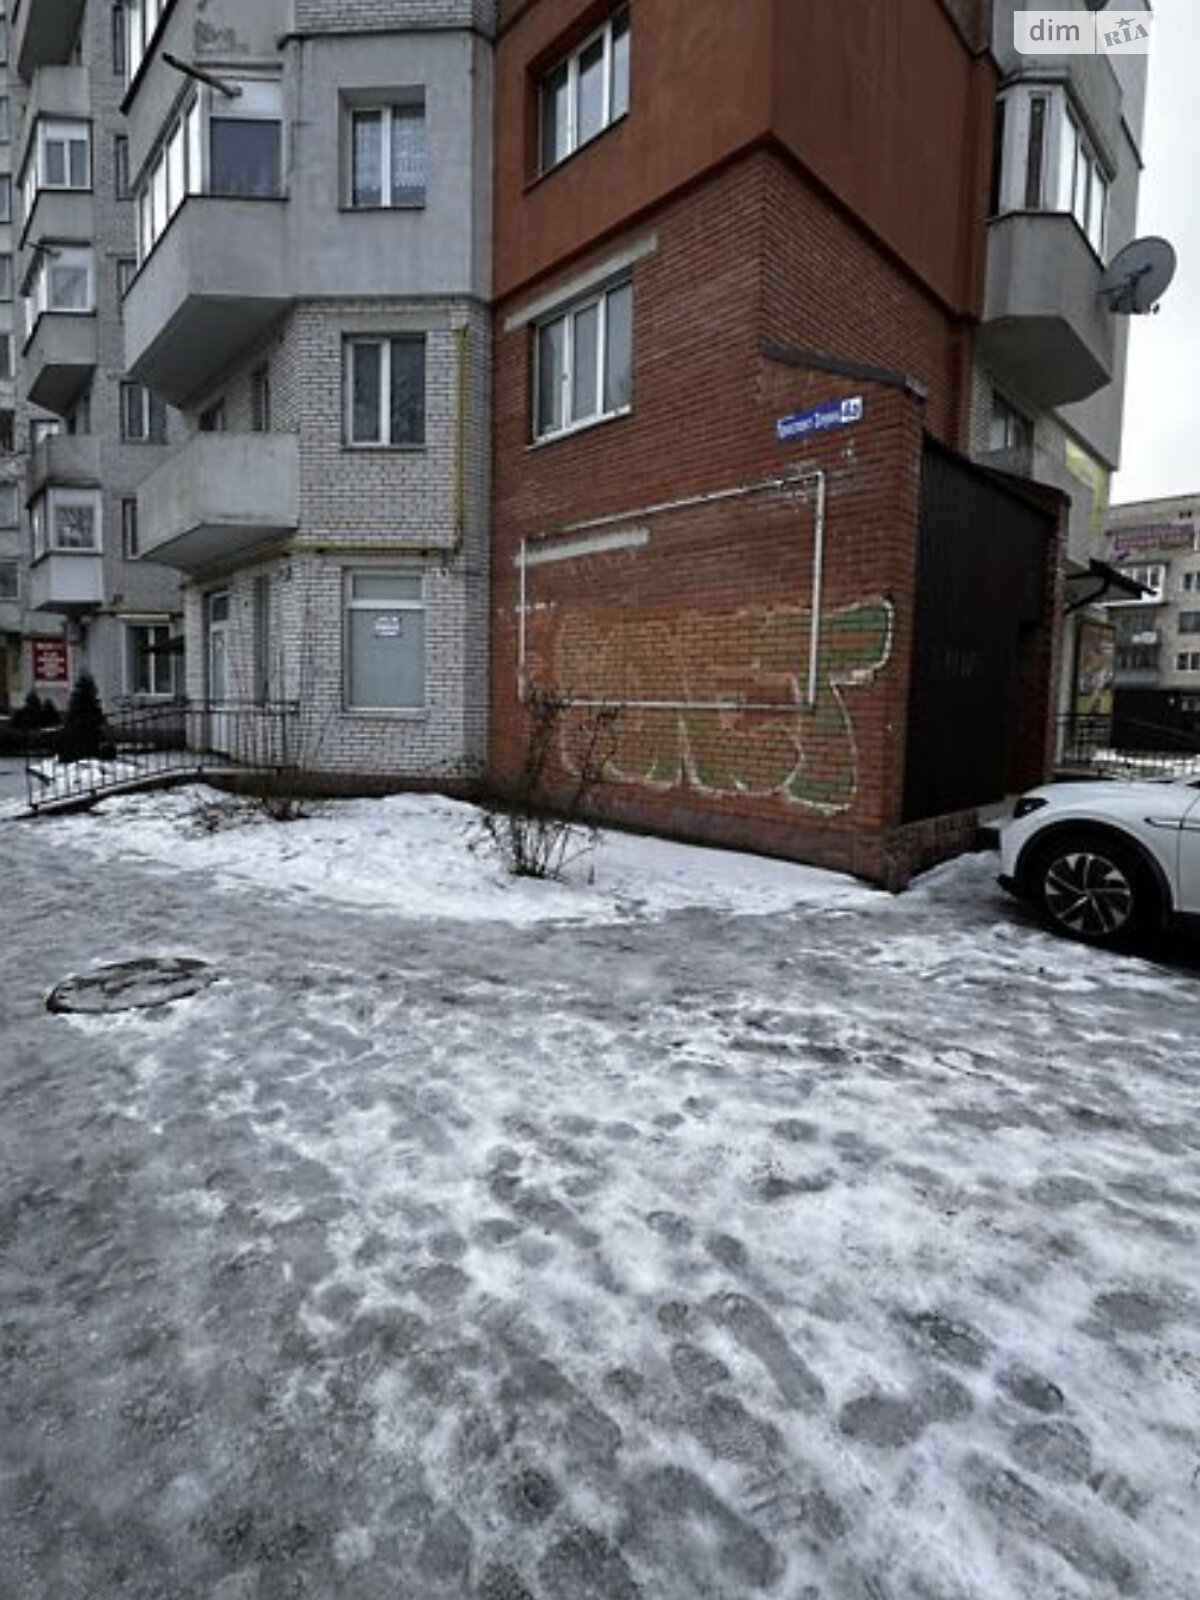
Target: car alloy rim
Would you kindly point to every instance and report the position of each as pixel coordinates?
(1088, 894)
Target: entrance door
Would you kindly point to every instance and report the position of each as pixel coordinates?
(217, 671)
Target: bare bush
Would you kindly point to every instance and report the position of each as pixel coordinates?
(540, 827)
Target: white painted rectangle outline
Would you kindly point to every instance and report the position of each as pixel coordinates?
(542, 555)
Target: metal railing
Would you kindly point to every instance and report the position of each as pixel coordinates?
(1126, 748)
(139, 746)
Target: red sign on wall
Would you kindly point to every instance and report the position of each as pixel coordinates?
(51, 662)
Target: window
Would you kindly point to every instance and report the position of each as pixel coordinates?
(385, 641)
(1010, 429)
(143, 415)
(385, 391)
(1188, 661)
(5, 197)
(7, 431)
(10, 584)
(130, 548)
(6, 356)
(143, 17)
(68, 520)
(260, 400)
(5, 121)
(121, 166)
(149, 659)
(585, 93)
(43, 428)
(1189, 622)
(60, 157)
(120, 39)
(1152, 577)
(1045, 161)
(62, 281)
(126, 272)
(1191, 582)
(212, 418)
(584, 362)
(216, 146)
(6, 277)
(387, 156)
(9, 505)
(3, 41)
(262, 640)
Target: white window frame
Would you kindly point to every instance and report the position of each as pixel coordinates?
(1069, 179)
(406, 105)
(567, 317)
(155, 657)
(1153, 576)
(353, 606)
(142, 20)
(182, 161)
(613, 105)
(382, 439)
(44, 516)
(39, 297)
(143, 417)
(48, 132)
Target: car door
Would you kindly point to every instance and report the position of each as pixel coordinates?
(1189, 858)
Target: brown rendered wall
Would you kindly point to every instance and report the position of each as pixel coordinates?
(873, 99)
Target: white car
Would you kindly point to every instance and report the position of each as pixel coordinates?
(1106, 861)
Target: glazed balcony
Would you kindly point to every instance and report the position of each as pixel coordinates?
(215, 282)
(43, 33)
(59, 359)
(62, 582)
(1046, 331)
(219, 498)
(70, 460)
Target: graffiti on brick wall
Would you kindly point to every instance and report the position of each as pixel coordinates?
(702, 671)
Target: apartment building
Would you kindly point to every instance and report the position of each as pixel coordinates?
(740, 262)
(1154, 636)
(85, 432)
(1049, 370)
(312, 186)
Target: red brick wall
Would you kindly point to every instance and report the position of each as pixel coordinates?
(716, 605)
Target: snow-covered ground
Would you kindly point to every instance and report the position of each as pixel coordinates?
(703, 1227)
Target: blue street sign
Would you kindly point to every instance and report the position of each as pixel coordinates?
(833, 414)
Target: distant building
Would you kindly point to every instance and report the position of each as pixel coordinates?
(1156, 636)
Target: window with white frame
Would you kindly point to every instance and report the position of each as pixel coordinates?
(1188, 661)
(62, 280)
(585, 92)
(388, 156)
(1189, 622)
(1047, 162)
(10, 581)
(1008, 429)
(385, 391)
(217, 145)
(142, 19)
(385, 641)
(1190, 582)
(150, 659)
(1152, 577)
(9, 505)
(67, 520)
(583, 362)
(43, 428)
(143, 415)
(60, 157)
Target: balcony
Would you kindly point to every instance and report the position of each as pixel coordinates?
(57, 214)
(1045, 332)
(43, 33)
(67, 582)
(216, 281)
(60, 359)
(71, 460)
(220, 498)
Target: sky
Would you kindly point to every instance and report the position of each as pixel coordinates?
(1161, 450)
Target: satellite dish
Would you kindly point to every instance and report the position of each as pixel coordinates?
(1138, 277)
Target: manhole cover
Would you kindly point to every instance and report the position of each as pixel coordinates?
(128, 985)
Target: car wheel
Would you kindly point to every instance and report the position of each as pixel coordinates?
(1092, 887)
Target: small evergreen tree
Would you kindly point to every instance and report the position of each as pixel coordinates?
(84, 734)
